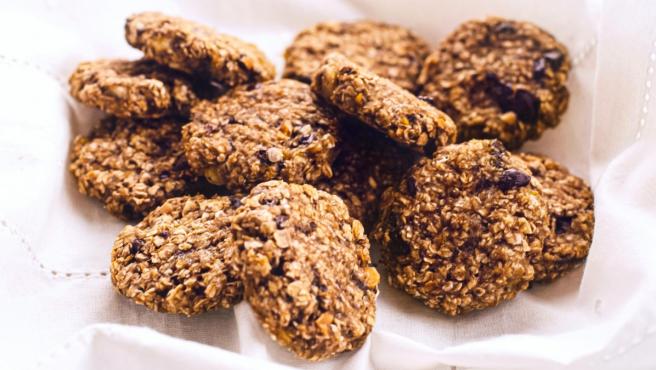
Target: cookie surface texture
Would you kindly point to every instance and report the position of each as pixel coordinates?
(255, 133)
(499, 79)
(390, 51)
(178, 258)
(131, 165)
(197, 49)
(383, 105)
(458, 231)
(307, 272)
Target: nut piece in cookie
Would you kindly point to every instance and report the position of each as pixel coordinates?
(390, 51)
(571, 206)
(140, 89)
(306, 269)
(457, 232)
(179, 258)
(383, 105)
(499, 79)
(367, 164)
(132, 166)
(260, 132)
(197, 49)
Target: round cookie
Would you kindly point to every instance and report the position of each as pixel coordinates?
(571, 206)
(255, 133)
(197, 49)
(178, 258)
(390, 51)
(457, 232)
(383, 105)
(132, 166)
(306, 269)
(367, 164)
(499, 79)
(126, 89)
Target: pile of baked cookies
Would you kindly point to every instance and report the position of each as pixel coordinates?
(249, 187)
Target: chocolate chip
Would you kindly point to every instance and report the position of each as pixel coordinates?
(526, 106)
(162, 293)
(504, 27)
(262, 156)
(136, 245)
(235, 202)
(278, 269)
(280, 220)
(539, 69)
(164, 175)
(482, 185)
(232, 120)
(555, 59)
(412, 118)
(501, 93)
(199, 290)
(563, 223)
(513, 178)
(164, 234)
(411, 186)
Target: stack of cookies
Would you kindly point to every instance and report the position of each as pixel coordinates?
(247, 187)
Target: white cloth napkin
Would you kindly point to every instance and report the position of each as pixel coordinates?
(58, 306)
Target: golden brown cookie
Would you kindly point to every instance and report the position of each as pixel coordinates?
(139, 89)
(383, 105)
(260, 132)
(179, 258)
(458, 231)
(197, 49)
(131, 165)
(499, 79)
(390, 51)
(571, 206)
(306, 269)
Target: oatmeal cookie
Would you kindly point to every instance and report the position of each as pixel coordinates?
(178, 258)
(499, 78)
(131, 165)
(306, 269)
(571, 206)
(382, 104)
(141, 89)
(458, 230)
(367, 164)
(260, 132)
(390, 51)
(197, 49)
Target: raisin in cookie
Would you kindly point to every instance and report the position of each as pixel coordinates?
(390, 51)
(306, 269)
(458, 231)
(179, 258)
(367, 164)
(141, 89)
(131, 165)
(382, 105)
(571, 206)
(260, 132)
(197, 49)
(499, 78)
